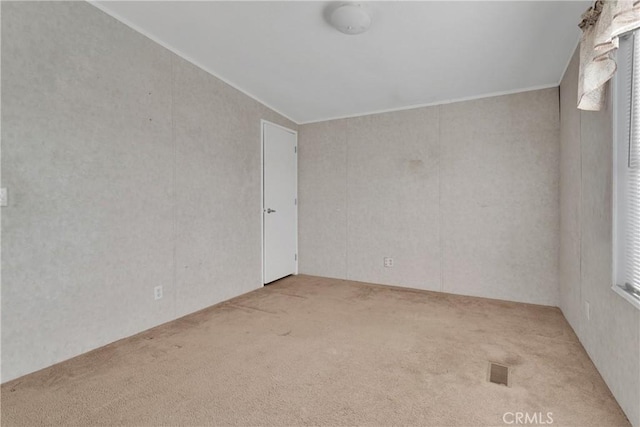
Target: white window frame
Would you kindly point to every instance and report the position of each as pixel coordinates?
(620, 142)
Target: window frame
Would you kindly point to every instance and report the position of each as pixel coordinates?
(620, 136)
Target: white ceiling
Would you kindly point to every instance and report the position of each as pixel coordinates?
(287, 56)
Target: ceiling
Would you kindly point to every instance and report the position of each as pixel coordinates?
(287, 56)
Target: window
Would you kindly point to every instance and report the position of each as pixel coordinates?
(627, 171)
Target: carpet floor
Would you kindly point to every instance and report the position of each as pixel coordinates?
(314, 351)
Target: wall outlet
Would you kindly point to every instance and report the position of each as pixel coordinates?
(157, 292)
(587, 310)
(387, 262)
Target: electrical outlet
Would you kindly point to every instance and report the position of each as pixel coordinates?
(388, 262)
(587, 310)
(157, 292)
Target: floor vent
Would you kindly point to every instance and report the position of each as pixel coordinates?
(498, 374)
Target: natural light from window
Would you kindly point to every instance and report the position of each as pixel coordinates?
(627, 171)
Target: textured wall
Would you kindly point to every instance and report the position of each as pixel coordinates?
(392, 183)
(127, 168)
(322, 195)
(463, 196)
(612, 334)
(570, 197)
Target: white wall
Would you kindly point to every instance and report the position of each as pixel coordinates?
(463, 196)
(127, 168)
(612, 334)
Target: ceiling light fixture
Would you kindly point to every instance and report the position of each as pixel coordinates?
(351, 18)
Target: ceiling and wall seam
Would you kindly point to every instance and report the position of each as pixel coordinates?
(566, 67)
(187, 58)
(435, 104)
(180, 52)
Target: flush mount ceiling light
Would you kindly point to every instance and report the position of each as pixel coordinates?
(351, 18)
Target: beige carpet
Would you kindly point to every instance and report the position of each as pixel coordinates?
(310, 351)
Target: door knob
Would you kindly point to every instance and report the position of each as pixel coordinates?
(269, 210)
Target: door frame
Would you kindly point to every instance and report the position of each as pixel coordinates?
(264, 122)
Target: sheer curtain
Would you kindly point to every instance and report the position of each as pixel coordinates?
(601, 26)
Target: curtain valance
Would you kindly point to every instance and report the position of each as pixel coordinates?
(601, 26)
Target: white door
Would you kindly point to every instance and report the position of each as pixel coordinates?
(280, 175)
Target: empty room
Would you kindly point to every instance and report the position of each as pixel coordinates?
(288, 213)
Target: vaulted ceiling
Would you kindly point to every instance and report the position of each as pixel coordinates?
(286, 55)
